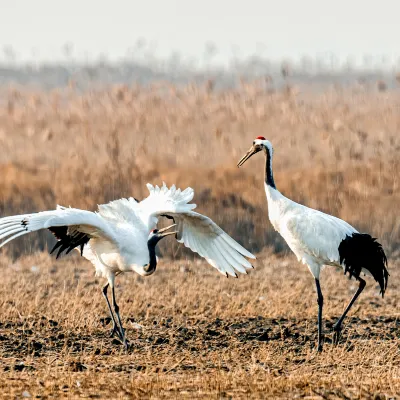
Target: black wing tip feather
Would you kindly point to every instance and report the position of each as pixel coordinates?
(56, 246)
(361, 250)
(68, 241)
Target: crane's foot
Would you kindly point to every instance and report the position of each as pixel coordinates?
(125, 343)
(116, 332)
(118, 340)
(320, 347)
(122, 337)
(337, 334)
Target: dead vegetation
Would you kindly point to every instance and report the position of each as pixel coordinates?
(194, 333)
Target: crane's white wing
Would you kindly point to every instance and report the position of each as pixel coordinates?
(121, 210)
(203, 236)
(71, 226)
(125, 211)
(316, 233)
(196, 231)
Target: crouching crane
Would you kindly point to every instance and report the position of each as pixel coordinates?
(122, 236)
(319, 239)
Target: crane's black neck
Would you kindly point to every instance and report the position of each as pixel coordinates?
(269, 175)
(151, 267)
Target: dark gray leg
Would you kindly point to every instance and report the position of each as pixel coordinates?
(114, 329)
(116, 309)
(338, 326)
(320, 302)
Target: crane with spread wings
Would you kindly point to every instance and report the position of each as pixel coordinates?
(122, 236)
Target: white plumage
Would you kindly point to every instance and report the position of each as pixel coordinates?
(312, 235)
(121, 235)
(319, 239)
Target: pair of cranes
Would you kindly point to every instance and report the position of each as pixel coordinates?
(122, 236)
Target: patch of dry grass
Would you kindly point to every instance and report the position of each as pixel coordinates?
(194, 333)
(336, 151)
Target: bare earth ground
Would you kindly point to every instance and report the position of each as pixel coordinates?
(194, 333)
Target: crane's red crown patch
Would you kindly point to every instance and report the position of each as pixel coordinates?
(260, 137)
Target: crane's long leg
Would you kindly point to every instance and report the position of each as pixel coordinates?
(320, 302)
(116, 309)
(114, 329)
(338, 326)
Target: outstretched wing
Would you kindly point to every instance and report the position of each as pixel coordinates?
(72, 227)
(196, 231)
(203, 236)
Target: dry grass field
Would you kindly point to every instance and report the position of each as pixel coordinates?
(194, 333)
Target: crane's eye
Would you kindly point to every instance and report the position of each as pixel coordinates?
(254, 142)
(154, 231)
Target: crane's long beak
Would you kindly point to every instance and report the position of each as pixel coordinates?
(253, 150)
(162, 232)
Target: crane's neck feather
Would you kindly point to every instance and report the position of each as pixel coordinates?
(151, 267)
(269, 175)
(277, 203)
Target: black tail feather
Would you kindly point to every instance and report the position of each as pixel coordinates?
(360, 250)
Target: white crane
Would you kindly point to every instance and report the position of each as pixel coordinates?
(319, 239)
(121, 236)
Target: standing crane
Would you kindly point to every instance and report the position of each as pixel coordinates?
(122, 236)
(319, 239)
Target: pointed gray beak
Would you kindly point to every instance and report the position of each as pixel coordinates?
(253, 150)
(162, 232)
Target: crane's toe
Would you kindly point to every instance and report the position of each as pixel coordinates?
(118, 341)
(120, 337)
(115, 331)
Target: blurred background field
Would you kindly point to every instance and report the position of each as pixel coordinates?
(336, 149)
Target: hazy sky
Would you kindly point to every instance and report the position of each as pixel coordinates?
(290, 28)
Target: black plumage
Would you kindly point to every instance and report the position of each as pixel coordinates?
(360, 250)
(68, 240)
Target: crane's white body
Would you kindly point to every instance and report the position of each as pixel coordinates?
(312, 235)
(120, 229)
